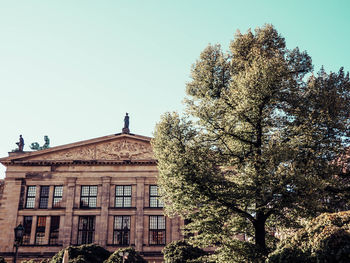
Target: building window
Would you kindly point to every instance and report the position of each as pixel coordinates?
(88, 196)
(30, 200)
(123, 196)
(121, 235)
(86, 230)
(54, 230)
(157, 230)
(57, 196)
(40, 230)
(27, 224)
(22, 195)
(154, 200)
(44, 196)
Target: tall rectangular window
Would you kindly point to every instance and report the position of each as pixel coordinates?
(123, 196)
(22, 196)
(44, 196)
(121, 234)
(57, 196)
(54, 230)
(154, 200)
(30, 200)
(157, 230)
(86, 230)
(40, 230)
(27, 225)
(88, 196)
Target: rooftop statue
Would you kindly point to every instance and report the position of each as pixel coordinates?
(36, 146)
(20, 145)
(126, 124)
(126, 121)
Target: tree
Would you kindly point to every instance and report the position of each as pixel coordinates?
(90, 253)
(180, 251)
(133, 256)
(324, 239)
(256, 146)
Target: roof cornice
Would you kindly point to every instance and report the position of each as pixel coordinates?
(25, 155)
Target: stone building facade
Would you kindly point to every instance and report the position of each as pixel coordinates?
(101, 191)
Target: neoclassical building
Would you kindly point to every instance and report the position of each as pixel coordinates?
(101, 191)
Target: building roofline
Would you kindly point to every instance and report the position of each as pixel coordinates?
(17, 156)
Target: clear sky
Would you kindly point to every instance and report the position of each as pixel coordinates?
(71, 69)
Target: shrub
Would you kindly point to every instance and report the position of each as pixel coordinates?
(324, 239)
(180, 251)
(133, 256)
(83, 254)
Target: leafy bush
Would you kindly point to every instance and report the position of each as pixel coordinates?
(180, 251)
(324, 239)
(133, 256)
(83, 254)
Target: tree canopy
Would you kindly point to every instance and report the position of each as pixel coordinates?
(256, 146)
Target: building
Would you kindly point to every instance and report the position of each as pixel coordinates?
(99, 191)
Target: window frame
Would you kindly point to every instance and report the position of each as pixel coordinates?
(44, 197)
(54, 230)
(117, 232)
(30, 198)
(89, 197)
(123, 196)
(40, 229)
(159, 203)
(155, 232)
(87, 234)
(55, 197)
(27, 229)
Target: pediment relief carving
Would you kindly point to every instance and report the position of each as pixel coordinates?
(122, 149)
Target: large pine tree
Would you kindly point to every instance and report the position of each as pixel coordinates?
(257, 145)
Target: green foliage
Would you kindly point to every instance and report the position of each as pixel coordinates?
(257, 148)
(324, 239)
(82, 254)
(180, 251)
(133, 256)
(2, 260)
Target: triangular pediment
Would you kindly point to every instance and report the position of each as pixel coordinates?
(119, 147)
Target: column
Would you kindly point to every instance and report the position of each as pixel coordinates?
(103, 226)
(140, 192)
(68, 220)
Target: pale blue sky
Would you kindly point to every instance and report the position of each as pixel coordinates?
(71, 69)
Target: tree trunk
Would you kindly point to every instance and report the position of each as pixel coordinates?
(260, 234)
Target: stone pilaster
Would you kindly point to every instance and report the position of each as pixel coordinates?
(102, 228)
(68, 220)
(47, 230)
(8, 213)
(140, 191)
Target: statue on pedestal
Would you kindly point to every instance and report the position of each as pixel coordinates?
(126, 124)
(20, 144)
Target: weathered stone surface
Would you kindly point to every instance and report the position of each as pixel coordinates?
(135, 166)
